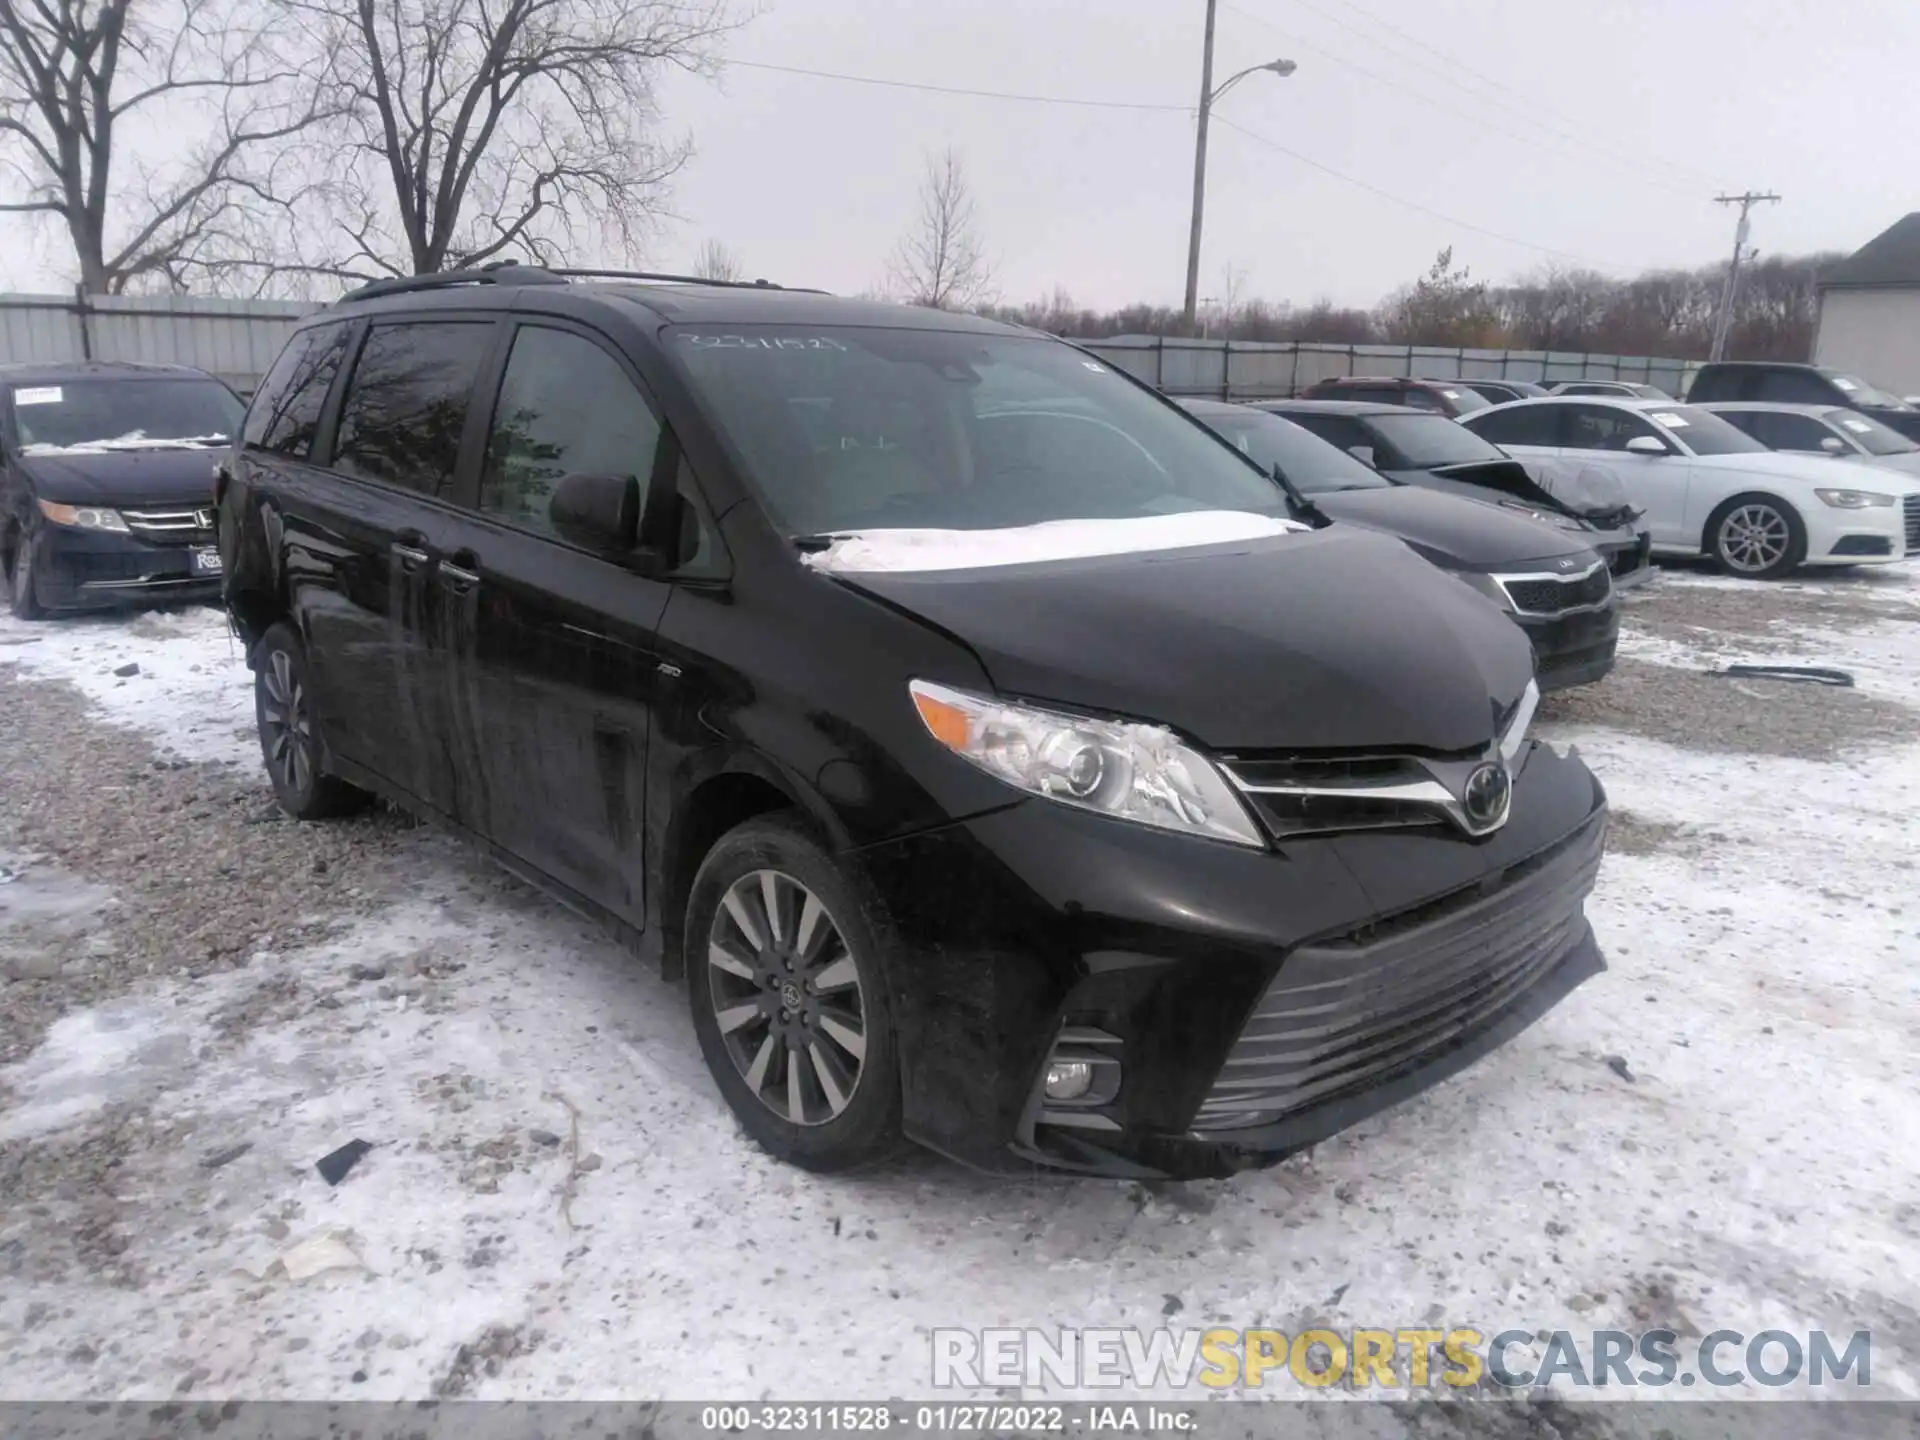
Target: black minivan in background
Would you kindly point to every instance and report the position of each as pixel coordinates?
(105, 495)
(1793, 384)
(1003, 761)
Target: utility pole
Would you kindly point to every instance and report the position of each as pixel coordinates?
(1199, 173)
(1208, 94)
(1724, 322)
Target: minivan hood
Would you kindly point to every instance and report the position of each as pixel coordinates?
(1334, 639)
(124, 477)
(1451, 530)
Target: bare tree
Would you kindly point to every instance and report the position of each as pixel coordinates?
(941, 261)
(717, 262)
(84, 82)
(481, 129)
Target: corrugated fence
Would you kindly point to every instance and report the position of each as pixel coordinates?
(238, 339)
(234, 339)
(1256, 369)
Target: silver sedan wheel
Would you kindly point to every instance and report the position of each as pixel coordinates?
(286, 727)
(1754, 538)
(786, 995)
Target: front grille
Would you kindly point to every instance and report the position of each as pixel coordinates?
(172, 526)
(1555, 595)
(1910, 507)
(1345, 1014)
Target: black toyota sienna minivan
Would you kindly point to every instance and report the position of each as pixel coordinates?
(1002, 762)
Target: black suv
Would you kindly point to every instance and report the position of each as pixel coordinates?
(1001, 759)
(105, 493)
(1801, 385)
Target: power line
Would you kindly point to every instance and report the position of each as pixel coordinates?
(958, 90)
(1409, 204)
(1623, 166)
(1423, 53)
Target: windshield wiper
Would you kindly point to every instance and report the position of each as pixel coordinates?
(1298, 498)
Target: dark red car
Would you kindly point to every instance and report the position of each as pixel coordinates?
(1448, 397)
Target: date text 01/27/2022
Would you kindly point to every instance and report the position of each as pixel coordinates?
(959, 1419)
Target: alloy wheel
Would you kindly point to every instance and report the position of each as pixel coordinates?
(1754, 538)
(286, 724)
(786, 996)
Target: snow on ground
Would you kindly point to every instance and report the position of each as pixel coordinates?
(192, 692)
(557, 1187)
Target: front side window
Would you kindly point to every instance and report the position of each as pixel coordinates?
(285, 414)
(407, 403)
(1602, 427)
(1313, 465)
(124, 414)
(1421, 442)
(566, 407)
(856, 428)
(1536, 425)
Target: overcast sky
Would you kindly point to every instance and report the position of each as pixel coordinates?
(1583, 133)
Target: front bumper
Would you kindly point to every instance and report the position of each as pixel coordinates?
(1860, 537)
(77, 569)
(1575, 648)
(1039, 925)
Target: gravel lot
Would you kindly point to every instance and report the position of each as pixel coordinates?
(198, 999)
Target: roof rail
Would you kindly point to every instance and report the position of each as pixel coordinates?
(662, 278)
(500, 272)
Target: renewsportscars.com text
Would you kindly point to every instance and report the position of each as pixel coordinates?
(1402, 1358)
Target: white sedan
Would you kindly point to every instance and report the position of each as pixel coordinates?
(1708, 489)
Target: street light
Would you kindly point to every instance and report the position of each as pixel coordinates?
(1209, 94)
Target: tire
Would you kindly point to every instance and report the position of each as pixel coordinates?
(847, 1086)
(289, 738)
(23, 598)
(1756, 537)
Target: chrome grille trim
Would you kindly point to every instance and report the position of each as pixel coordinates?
(1571, 585)
(1910, 510)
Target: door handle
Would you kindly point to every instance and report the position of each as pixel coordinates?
(460, 571)
(410, 550)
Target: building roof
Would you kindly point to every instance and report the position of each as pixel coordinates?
(1891, 258)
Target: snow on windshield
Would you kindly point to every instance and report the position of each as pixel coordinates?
(896, 550)
(132, 440)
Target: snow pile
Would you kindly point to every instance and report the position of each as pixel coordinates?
(869, 550)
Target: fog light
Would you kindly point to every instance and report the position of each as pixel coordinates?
(1068, 1079)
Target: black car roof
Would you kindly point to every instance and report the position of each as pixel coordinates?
(52, 372)
(1341, 407)
(674, 302)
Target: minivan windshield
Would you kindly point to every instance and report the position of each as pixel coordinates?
(845, 428)
(1314, 466)
(124, 414)
(1859, 392)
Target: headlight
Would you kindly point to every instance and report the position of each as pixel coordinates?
(1130, 771)
(1853, 499)
(87, 517)
(1485, 584)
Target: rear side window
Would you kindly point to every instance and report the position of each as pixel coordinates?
(566, 407)
(1783, 432)
(1794, 387)
(407, 403)
(286, 408)
(1525, 425)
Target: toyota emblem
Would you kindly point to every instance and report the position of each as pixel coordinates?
(1486, 795)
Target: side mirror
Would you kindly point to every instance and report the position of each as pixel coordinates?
(1833, 445)
(1362, 453)
(1646, 445)
(598, 511)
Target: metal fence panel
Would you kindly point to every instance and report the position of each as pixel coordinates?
(234, 339)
